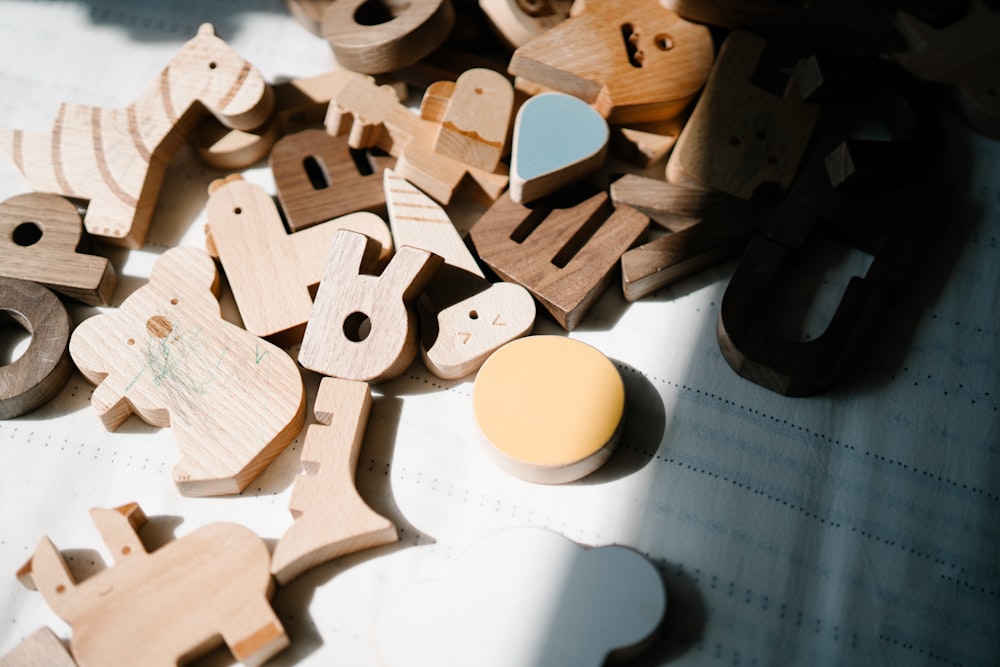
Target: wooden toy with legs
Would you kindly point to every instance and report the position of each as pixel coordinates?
(465, 317)
(271, 272)
(115, 158)
(633, 60)
(41, 649)
(331, 518)
(233, 400)
(160, 608)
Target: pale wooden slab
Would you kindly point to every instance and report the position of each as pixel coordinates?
(41, 649)
(476, 122)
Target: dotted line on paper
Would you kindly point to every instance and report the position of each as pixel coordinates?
(971, 587)
(920, 651)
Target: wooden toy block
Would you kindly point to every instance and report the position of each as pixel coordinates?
(371, 116)
(115, 158)
(633, 60)
(519, 21)
(35, 377)
(550, 408)
(377, 37)
(475, 124)
(565, 604)
(331, 518)
(466, 317)
(645, 144)
(557, 140)
(740, 136)
(234, 401)
(317, 179)
(962, 55)
(40, 236)
(41, 649)
(270, 271)
(563, 249)
(363, 326)
(309, 13)
(209, 587)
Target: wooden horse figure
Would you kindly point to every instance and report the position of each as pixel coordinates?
(115, 158)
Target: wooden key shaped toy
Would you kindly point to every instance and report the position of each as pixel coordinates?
(41, 649)
(234, 401)
(175, 604)
(633, 60)
(270, 271)
(115, 158)
(466, 317)
(331, 518)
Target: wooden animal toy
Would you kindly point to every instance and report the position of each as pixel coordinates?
(377, 37)
(270, 271)
(34, 378)
(175, 604)
(466, 317)
(234, 401)
(40, 236)
(363, 326)
(331, 518)
(562, 249)
(475, 120)
(41, 649)
(550, 408)
(557, 140)
(317, 179)
(740, 136)
(371, 116)
(519, 21)
(567, 605)
(115, 158)
(633, 60)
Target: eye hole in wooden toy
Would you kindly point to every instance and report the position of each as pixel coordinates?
(632, 50)
(357, 327)
(316, 172)
(27, 234)
(377, 12)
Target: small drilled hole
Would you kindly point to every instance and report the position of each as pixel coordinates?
(237, 210)
(663, 42)
(357, 327)
(27, 234)
(473, 315)
(126, 550)
(60, 589)
(173, 302)
(131, 341)
(212, 65)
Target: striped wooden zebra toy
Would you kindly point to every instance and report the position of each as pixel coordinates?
(115, 158)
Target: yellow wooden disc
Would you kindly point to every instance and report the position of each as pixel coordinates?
(549, 402)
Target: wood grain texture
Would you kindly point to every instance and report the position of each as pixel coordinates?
(309, 13)
(35, 377)
(364, 326)
(175, 604)
(633, 60)
(270, 271)
(115, 158)
(317, 179)
(40, 236)
(519, 21)
(645, 144)
(233, 400)
(41, 649)
(331, 517)
(378, 37)
(465, 318)
(474, 126)
(740, 136)
(561, 249)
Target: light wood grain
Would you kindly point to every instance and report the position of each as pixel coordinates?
(519, 21)
(331, 518)
(309, 13)
(475, 125)
(233, 400)
(115, 158)
(209, 587)
(41, 649)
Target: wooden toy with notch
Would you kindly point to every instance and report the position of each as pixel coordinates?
(563, 249)
(331, 518)
(174, 604)
(115, 158)
(466, 318)
(475, 123)
(633, 60)
(270, 271)
(41, 649)
(519, 21)
(40, 237)
(363, 326)
(233, 400)
(35, 377)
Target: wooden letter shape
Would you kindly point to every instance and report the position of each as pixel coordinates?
(475, 125)
(363, 326)
(161, 608)
(40, 373)
(563, 252)
(633, 60)
(269, 270)
(740, 136)
(380, 36)
(39, 237)
(41, 649)
(233, 400)
(115, 158)
(471, 317)
(331, 518)
(317, 179)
